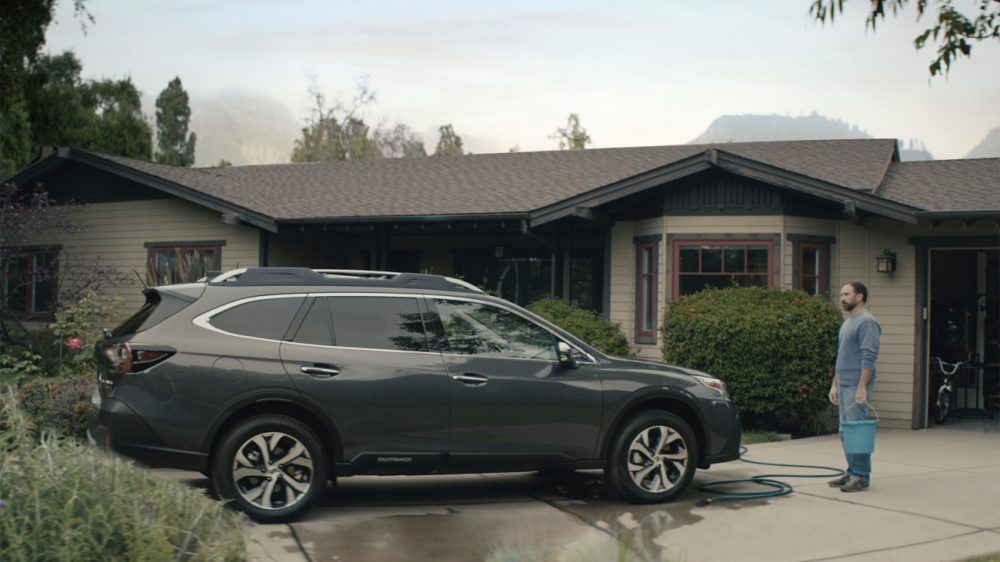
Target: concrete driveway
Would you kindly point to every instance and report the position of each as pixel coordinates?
(935, 496)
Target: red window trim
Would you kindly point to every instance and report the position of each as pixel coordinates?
(643, 334)
(30, 252)
(678, 244)
(153, 249)
(822, 277)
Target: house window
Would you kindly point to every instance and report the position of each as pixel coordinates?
(812, 269)
(720, 264)
(181, 262)
(811, 266)
(647, 258)
(30, 287)
(521, 277)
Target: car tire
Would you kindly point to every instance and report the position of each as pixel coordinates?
(653, 458)
(289, 458)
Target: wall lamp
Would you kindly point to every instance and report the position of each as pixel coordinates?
(886, 263)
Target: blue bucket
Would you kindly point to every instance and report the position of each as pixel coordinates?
(859, 435)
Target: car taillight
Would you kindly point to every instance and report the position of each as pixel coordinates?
(119, 356)
(125, 358)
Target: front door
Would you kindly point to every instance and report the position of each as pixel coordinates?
(509, 395)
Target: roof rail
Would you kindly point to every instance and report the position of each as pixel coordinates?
(256, 276)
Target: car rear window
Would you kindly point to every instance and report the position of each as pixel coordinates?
(265, 318)
(158, 308)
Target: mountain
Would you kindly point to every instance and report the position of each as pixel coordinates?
(243, 130)
(749, 128)
(989, 147)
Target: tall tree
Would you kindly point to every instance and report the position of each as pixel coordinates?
(103, 115)
(175, 146)
(572, 136)
(449, 144)
(953, 32)
(338, 132)
(399, 142)
(22, 33)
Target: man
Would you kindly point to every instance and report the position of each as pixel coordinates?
(857, 351)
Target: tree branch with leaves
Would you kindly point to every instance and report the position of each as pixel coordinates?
(953, 32)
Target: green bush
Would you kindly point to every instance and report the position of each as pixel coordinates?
(773, 347)
(587, 325)
(62, 500)
(59, 404)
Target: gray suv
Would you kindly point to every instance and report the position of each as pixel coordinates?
(273, 381)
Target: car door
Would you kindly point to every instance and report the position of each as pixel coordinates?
(510, 397)
(365, 361)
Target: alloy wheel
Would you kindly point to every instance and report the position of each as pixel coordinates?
(272, 470)
(657, 458)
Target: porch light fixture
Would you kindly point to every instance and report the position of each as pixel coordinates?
(886, 263)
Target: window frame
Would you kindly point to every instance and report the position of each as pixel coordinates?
(647, 308)
(801, 242)
(32, 252)
(153, 248)
(735, 241)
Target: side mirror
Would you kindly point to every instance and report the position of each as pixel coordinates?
(566, 359)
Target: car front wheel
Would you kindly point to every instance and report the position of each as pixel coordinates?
(272, 467)
(653, 458)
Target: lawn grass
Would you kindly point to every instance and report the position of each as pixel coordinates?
(752, 436)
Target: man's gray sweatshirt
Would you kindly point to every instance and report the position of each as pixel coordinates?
(857, 347)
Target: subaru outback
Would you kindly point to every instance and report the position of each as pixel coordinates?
(275, 381)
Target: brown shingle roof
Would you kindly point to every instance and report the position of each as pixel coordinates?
(495, 183)
(945, 185)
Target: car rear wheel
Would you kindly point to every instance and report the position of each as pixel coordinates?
(272, 467)
(653, 458)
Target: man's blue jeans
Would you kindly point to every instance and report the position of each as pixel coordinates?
(859, 465)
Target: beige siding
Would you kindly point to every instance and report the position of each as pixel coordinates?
(622, 288)
(892, 301)
(114, 235)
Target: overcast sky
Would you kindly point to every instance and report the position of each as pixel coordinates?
(508, 73)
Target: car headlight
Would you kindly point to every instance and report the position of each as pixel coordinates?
(715, 384)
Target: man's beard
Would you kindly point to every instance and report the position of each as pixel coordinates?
(849, 307)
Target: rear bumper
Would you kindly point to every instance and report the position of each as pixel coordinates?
(116, 427)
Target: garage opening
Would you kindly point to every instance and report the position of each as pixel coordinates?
(964, 327)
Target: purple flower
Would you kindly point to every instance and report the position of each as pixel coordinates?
(3, 504)
(147, 509)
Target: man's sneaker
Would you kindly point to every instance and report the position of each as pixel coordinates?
(854, 484)
(838, 482)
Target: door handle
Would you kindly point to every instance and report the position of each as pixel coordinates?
(471, 379)
(319, 372)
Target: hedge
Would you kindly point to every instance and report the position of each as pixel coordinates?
(587, 325)
(773, 347)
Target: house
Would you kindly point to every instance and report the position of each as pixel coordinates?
(619, 230)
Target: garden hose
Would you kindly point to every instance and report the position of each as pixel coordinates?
(776, 487)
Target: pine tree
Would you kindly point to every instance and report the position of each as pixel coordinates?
(175, 147)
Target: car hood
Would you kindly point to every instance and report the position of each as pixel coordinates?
(654, 366)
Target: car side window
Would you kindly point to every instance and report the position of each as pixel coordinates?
(263, 318)
(473, 328)
(316, 328)
(391, 323)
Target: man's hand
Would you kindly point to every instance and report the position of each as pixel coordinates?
(834, 399)
(861, 396)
